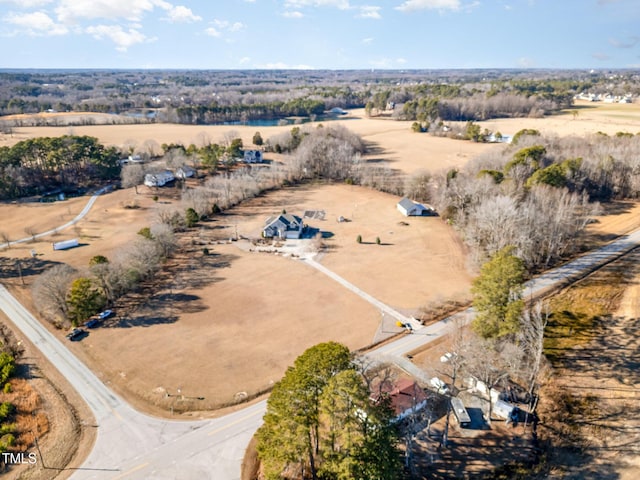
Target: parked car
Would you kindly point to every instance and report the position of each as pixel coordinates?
(93, 322)
(76, 334)
(105, 314)
(439, 385)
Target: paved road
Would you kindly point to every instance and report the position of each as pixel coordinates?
(135, 446)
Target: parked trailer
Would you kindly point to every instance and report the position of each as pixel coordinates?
(65, 244)
(464, 420)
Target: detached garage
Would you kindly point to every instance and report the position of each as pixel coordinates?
(410, 208)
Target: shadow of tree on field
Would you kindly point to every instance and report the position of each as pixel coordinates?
(169, 294)
(162, 308)
(12, 268)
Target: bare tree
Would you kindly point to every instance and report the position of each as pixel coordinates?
(132, 175)
(416, 186)
(31, 231)
(454, 362)
(534, 322)
(50, 292)
(143, 257)
(164, 238)
(4, 236)
(491, 363)
(150, 148)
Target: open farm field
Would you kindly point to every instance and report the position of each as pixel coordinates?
(591, 117)
(228, 324)
(225, 326)
(393, 141)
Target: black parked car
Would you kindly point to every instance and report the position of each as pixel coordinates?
(76, 334)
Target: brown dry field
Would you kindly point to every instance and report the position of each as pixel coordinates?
(235, 321)
(396, 144)
(246, 316)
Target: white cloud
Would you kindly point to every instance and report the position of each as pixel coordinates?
(367, 41)
(244, 60)
(123, 39)
(36, 24)
(221, 27)
(228, 26)
(181, 14)
(412, 5)
(293, 14)
(70, 11)
(296, 4)
(369, 11)
(212, 32)
(27, 3)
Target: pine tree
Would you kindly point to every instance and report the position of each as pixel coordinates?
(498, 295)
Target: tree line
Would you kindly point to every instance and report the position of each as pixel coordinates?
(69, 163)
(220, 113)
(538, 194)
(220, 96)
(67, 296)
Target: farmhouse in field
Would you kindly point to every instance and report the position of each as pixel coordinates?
(283, 226)
(405, 397)
(185, 172)
(410, 208)
(159, 179)
(252, 156)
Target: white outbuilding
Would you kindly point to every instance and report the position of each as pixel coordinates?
(410, 208)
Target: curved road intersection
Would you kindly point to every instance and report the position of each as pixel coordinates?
(133, 445)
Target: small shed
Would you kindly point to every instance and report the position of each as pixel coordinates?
(410, 208)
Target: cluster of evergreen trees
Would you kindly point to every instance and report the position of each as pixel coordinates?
(217, 113)
(321, 423)
(38, 165)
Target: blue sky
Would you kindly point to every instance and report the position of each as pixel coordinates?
(320, 34)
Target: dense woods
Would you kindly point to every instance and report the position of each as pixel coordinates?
(200, 97)
(538, 194)
(67, 164)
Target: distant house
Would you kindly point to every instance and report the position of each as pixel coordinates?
(185, 172)
(131, 159)
(405, 397)
(283, 226)
(410, 208)
(252, 156)
(338, 111)
(159, 179)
